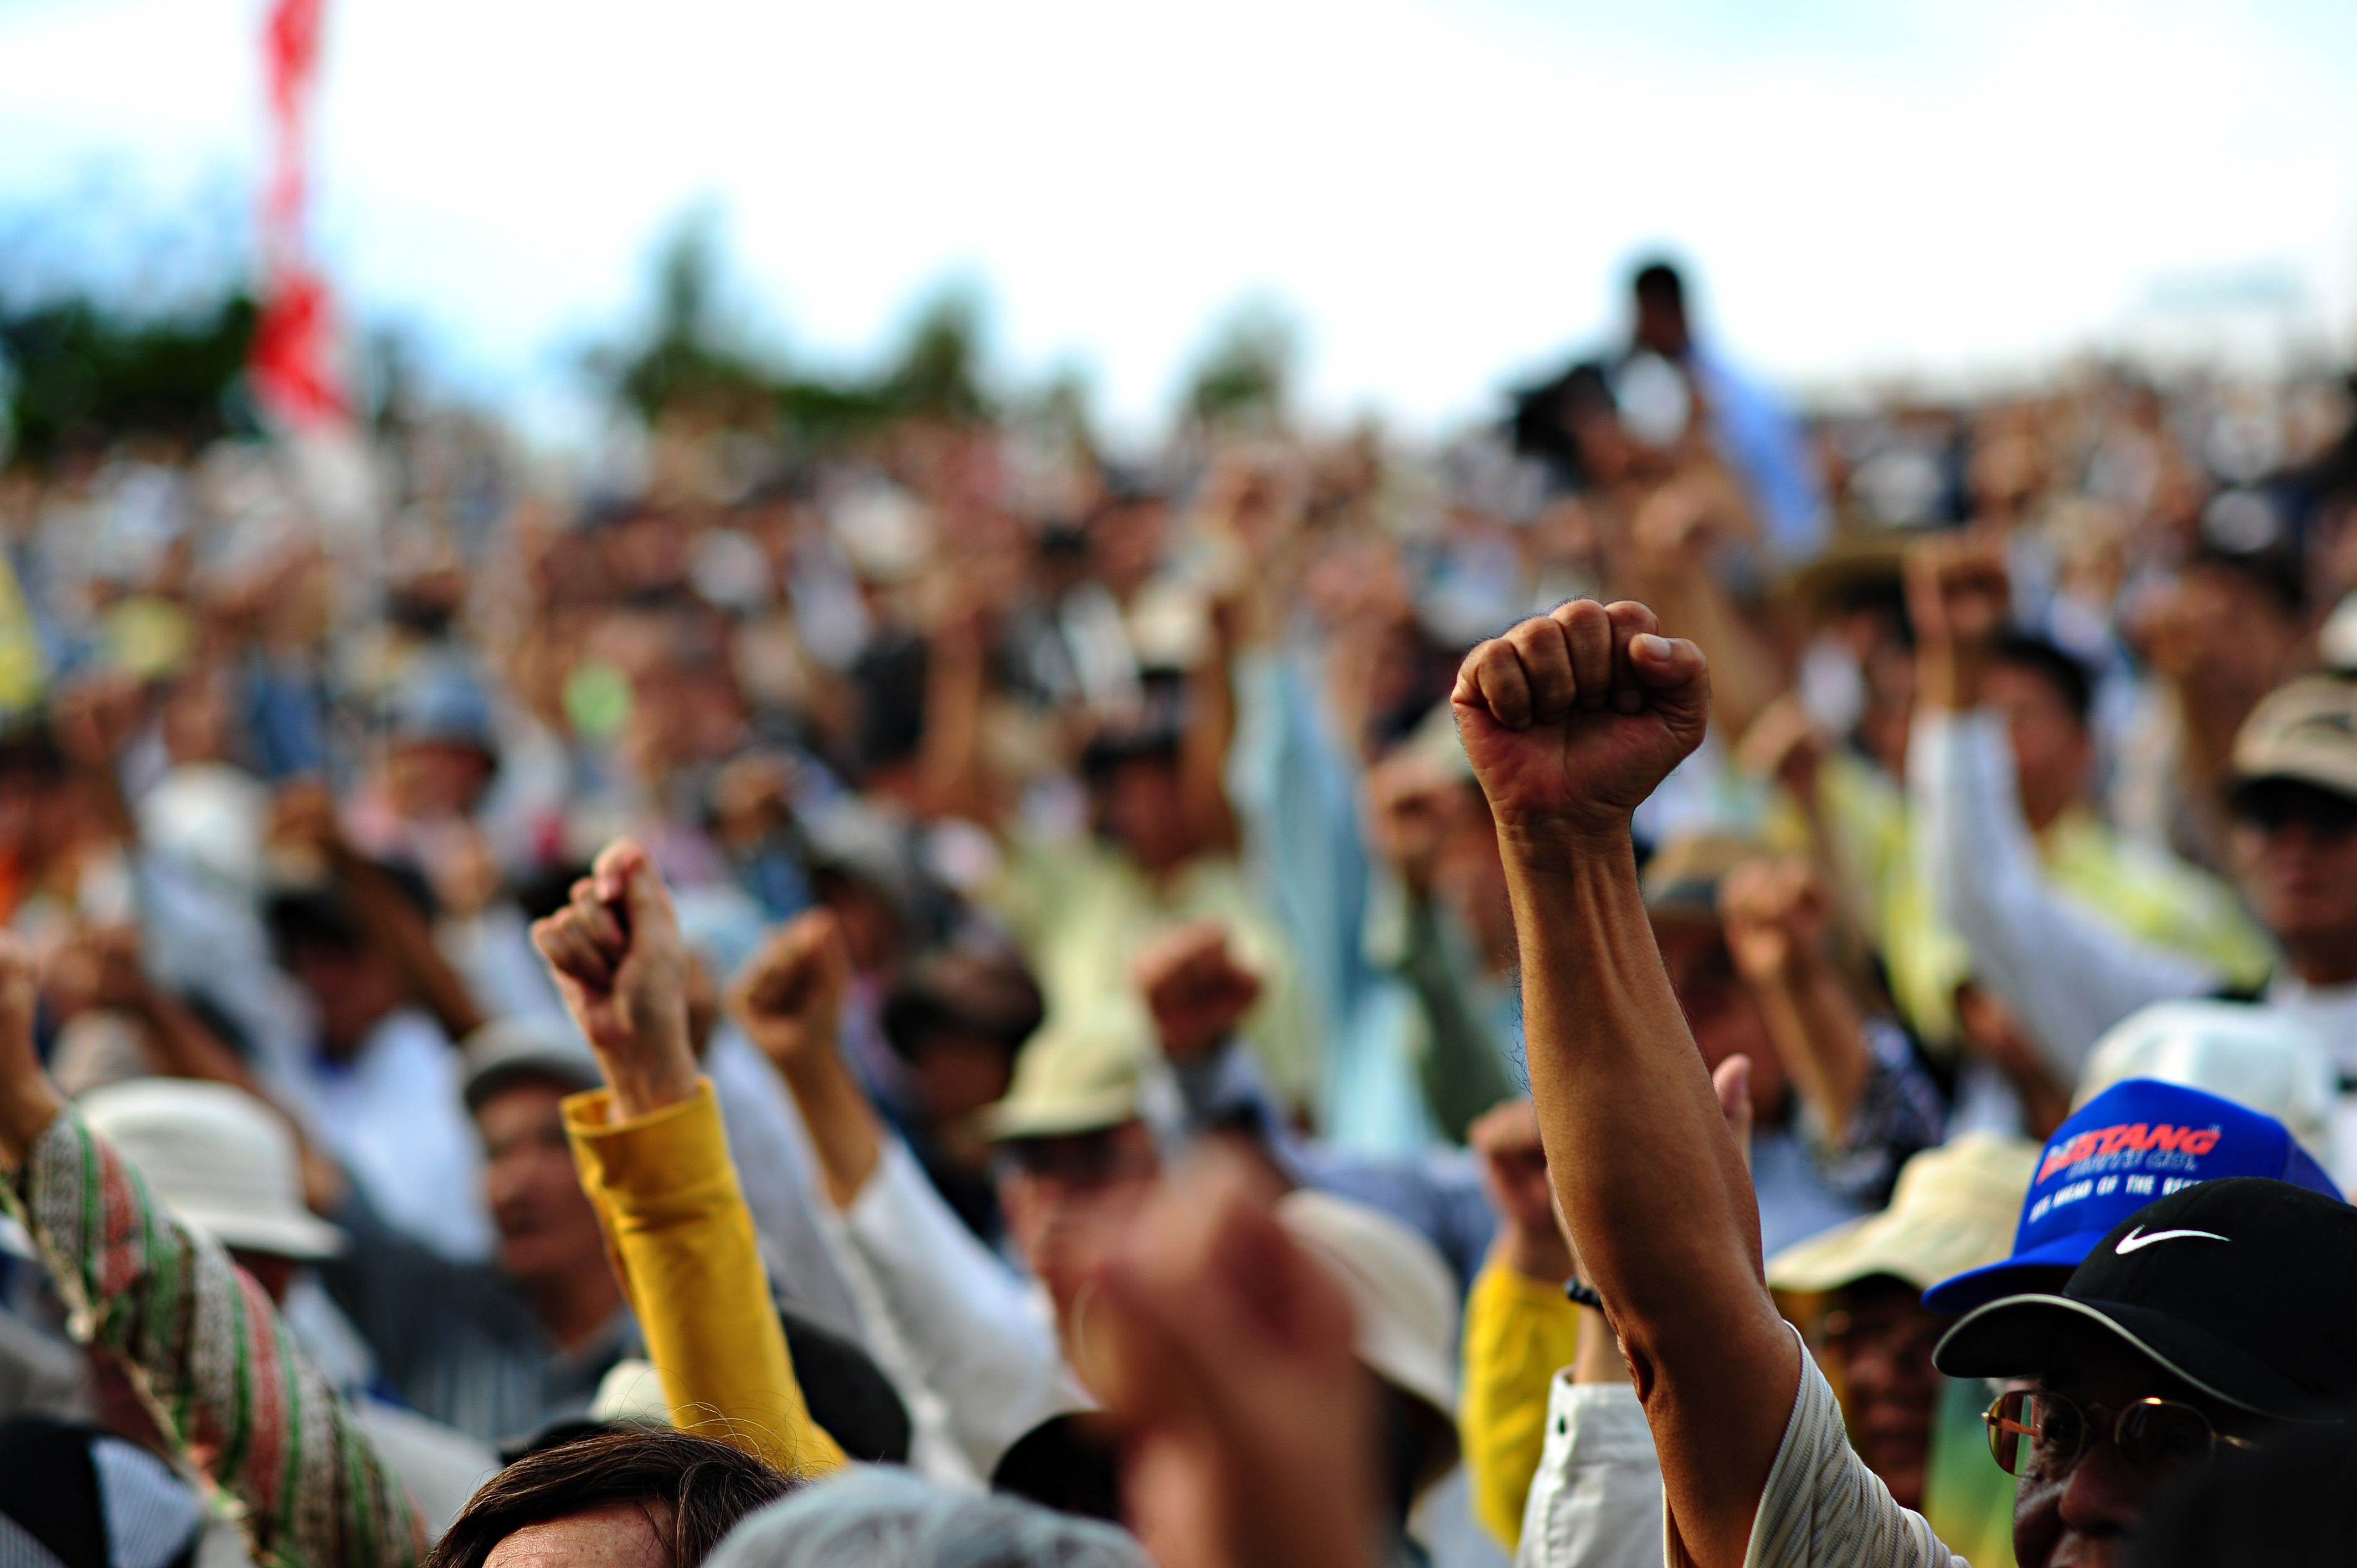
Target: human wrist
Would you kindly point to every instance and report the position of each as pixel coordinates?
(27, 1109)
(1536, 1253)
(644, 1083)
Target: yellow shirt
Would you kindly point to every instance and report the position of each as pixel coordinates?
(1519, 1332)
(683, 1247)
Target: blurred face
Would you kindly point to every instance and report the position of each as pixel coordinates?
(547, 1228)
(2295, 850)
(430, 778)
(2052, 752)
(2079, 1514)
(1880, 1336)
(1063, 1194)
(1137, 807)
(352, 991)
(1720, 1010)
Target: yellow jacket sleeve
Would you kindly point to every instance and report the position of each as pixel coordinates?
(1519, 1332)
(684, 1245)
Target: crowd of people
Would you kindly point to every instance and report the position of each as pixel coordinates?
(1662, 981)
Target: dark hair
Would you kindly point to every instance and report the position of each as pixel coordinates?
(2052, 664)
(311, 919)
(2293, 1504)
(983, 996)
(2272, 572)
(1659, 282)
(707, 1486)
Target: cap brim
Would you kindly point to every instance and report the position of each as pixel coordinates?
(1009, 1120)
(2040, 1269)
(2016, 1336)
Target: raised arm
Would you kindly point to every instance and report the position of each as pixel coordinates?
(654, 1159)
(1571, 719)
(210, 1356)
(962, 1312)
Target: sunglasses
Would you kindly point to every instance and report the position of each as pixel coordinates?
(2033, 1432)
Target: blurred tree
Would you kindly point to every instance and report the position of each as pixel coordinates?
(684, 366)
(1246, 375)
(940, 372)
(74, 366)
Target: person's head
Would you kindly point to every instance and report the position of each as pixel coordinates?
(1682, 883)
(1404, 1304)
(2232, 625)
(957, 1020)
(1134, 796)
(2295, 835)
(353, 985)
(1661, 297)
(441, 752)
(224, 1163)
(625, 1498)
(2209, 1321)
(2045, 695)
(1074, 1152)
(519, 1072)
(36, 807)
(892, 1516)
(1952, 1210)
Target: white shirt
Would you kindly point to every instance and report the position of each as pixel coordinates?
(1596, 1501)
(394, 1116)
(1822, 1507)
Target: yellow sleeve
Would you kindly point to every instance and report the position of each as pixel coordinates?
(1519, 1332)
(682, 1242)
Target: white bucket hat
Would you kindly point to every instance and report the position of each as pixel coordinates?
(1400, 1288)
(221, 1160)
(2260, 1058)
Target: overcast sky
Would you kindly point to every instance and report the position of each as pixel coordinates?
(1443, 195)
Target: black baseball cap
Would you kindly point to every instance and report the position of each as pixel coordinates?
(2239, 1287)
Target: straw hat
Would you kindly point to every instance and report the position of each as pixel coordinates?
(1075, 1078)
(221, 1160)
(1953, 1210)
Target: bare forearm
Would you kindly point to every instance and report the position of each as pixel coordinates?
(1660, 1207)
(1817, 1033)
(403, 934)
(843, 1125)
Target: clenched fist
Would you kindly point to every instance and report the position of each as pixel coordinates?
(1573, 717)
(1958, 592)
(788, 999)
(1195, 988)
(622, 970)
(1776, 912)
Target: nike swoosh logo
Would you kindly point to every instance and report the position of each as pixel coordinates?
(2137, 1240)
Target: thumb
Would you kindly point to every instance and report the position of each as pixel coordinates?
(626, 876)
(1675, 670)
(1732, 1082)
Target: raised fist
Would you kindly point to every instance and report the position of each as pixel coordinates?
(1957, 594)
(788, 999)
(1573, 717)
(1195, 988)
(1775, 913)
(622, 970)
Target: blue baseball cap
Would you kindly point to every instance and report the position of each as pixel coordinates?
(2136, 1143)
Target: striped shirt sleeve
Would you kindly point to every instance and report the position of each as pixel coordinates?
(1823, 1507)
(211, 1359)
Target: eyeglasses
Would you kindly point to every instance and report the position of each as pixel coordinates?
(2273, 804)
(2036, 1433)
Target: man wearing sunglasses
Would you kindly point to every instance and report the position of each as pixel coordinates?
(2070, 972)
(2225, 1300)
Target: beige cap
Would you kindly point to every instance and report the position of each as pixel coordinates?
(2305, 729)
(1074, 1077)
(222, 1161)
(1682, 876)
(1953, 1208)
(1401, 1291)
(2262, 1058)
